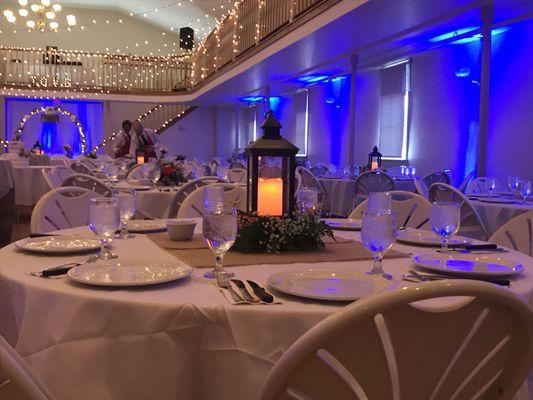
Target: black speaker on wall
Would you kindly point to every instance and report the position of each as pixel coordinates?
(186, 38)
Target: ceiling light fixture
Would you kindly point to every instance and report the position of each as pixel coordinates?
(43, 17)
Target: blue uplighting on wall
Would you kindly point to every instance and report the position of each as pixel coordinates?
(252, 99)
(274, 104)
(449, 35)
(495, 32)
(312, 78)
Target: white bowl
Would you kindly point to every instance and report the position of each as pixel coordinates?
(181, 229)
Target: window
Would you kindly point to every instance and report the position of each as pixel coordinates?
(301, 122)
(394, 111)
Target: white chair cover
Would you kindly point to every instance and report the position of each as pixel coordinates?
(436, 177)
(17, 381)
(54, 177)
(193, 205)
(88, 182)
(471, 224)
(237, 175)
(462, 187)
(61, 208)
(372, 181)
(411, 210)
(378, 347)
(516, 234)
(135, 172)
(80, 168)
(187, 189)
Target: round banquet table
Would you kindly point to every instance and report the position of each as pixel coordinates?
(494, 215)
(29, 183)
(341, 193)
(178, 340)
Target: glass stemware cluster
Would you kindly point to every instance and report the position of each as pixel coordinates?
(378, 229)
(520, 187)
(445, 221)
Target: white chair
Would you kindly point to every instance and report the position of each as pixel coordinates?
(61, 208)
(17, 381)
(471, 224)
(411, 209)
(392, 346)
(88, 182)
(372, 181)
(270, 171)
(462, 187)
(54, 177)
(135, 172)
(516, 234)
(421, 188)
(422, 184)
(80, 168)
(308, 179)
(237, 175)
(193, 205)
(187, 189)
(320, 170)
(61, 158)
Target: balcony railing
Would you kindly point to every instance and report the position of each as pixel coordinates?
(250, 23)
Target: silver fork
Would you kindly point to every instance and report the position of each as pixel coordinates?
(223, 282)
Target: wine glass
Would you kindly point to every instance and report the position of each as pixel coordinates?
(154, 175)
(104, 220)
(379, 201)
(490, 183)
(307, 199)
(513, 183)
(127, 205)
(346, 171)
(378, 234)
(219, 230)
(445, 221)
(525, 190)
(356, 171)
(112, 172)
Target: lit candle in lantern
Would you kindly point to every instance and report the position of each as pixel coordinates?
(374, 165)
(270, 196)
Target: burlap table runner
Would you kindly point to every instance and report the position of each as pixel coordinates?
(195, 253)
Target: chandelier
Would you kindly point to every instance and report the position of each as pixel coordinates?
(42, 16)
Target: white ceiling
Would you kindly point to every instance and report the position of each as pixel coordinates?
(198, 14)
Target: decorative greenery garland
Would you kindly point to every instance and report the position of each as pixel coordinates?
(267, 234)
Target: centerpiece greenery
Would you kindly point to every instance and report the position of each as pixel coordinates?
(268, 234)
(171, 171)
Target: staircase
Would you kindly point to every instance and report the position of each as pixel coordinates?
(158, 118)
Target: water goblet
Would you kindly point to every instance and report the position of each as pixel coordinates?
(104, 220)
(490, 183)
(346, 171)
(213, 196)
(445, 221)
(154, 174)
(413, 171)
(525, 190)
(356, 171)
(513, 183)
(307, 200)
(127, 206)
(378, 234)
(219, 230)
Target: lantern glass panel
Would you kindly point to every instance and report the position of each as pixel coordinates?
(270, 186)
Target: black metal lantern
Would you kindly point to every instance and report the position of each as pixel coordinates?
(374, 159)
(271, 169)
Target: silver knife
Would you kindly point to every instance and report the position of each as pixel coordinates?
(244, 291)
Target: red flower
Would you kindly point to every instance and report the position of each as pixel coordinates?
(168, 170)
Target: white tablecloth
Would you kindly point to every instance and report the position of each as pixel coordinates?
(30, 185)
(340, 193)
(6, 180)
(175, 341)
(494, 215)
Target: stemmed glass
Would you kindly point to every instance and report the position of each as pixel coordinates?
(307, 200)
(378, 234)
(219, 230)
(513, 183)
(154, 175)
(127, 205)
(525, 190)
(445, 221)
(490, 183)
(379, 201)
(104, 220)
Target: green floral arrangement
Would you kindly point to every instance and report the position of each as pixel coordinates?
(268, 234)
(171, 174)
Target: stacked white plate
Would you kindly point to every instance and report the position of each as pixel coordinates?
(58, 244)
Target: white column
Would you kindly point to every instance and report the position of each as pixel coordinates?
(354, 59)
(487, 13)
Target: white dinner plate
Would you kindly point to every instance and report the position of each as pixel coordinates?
(147, 225)
(117, 274)
(420, 237)
(58, 244)
(328, 284)
(497, 200)
(344, 224)
(467, 264)
(132, 186)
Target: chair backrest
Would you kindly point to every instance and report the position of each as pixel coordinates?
(62, 208)
(237, 175)
(421, 187)
(193, 205)
(462, 187)
(411, 209)
(392, 346)
(477, 186)
(80, 168)
(372, 181)
(88, 182)
(17, 381)
(270, 171)
(471, 224)
(135, 172)
(516, 234)
(436, 177)
(187, 189)
(54, 177)
(308, 179)
(320, 170)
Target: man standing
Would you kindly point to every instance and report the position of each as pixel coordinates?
(144, 140)
(122, 142)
